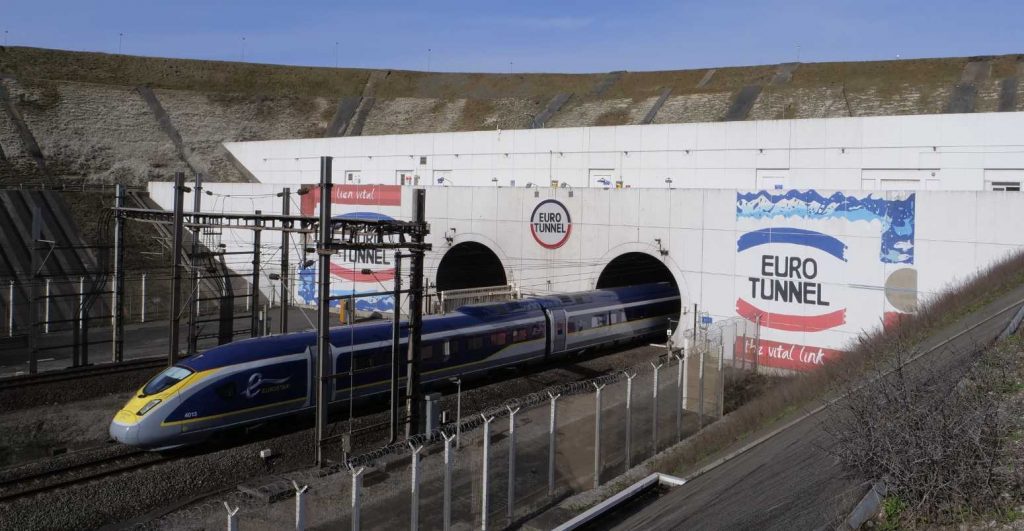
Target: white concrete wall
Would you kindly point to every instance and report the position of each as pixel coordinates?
(951, 236)
(929, 152)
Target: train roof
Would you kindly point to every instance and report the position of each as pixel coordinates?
(259, 348)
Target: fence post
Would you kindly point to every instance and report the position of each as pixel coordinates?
(679, 395)
(46, 309)
(232, 517)
(597, 435)
(551, 443)
(487, 452)
(720, 386)
(300, 506)
(448, 456)
(629, 418)
(700, 391)
(357, 488)
(10, 309)
(142, 318)
(654, 409)
(511, 462)
(458, 413)
(414, 494)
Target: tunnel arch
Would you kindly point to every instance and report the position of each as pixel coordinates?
(470, 265)
(632, 268)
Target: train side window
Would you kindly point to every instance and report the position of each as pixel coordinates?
(572, 326)
(519, 335)
(537, 331)
(447, 350)
(476, 343)
(428, 352)
(499, 339)
(226, 391)
(362, 361)
(598, 320)
(613, 318)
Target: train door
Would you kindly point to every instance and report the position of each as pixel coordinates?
(556, 330)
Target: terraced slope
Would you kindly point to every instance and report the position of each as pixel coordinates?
(100, 117)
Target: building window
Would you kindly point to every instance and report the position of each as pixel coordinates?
(1004, 186)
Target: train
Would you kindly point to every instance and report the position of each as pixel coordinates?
(254, 380)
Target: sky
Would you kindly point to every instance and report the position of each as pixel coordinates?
(522, 35)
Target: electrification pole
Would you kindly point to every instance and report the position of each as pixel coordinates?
(117, 330)
(324, 357)
(255, 295)
(193, 308)
(285, 255)
(414, 395)
(175, 317)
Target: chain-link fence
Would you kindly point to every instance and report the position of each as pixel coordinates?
(504, 465)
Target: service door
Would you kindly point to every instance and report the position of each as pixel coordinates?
(556, 330)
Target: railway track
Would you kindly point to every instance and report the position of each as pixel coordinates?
(77, 373)
(76, 473)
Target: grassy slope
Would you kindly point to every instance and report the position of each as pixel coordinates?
(234, 77)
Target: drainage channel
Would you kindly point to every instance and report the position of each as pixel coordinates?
(624, 504)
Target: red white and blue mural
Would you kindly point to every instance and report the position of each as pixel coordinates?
(355, 271)
(815, 269)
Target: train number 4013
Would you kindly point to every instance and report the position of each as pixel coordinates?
(191, 414)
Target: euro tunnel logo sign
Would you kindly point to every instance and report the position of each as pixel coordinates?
(550, 224)
(789, 269)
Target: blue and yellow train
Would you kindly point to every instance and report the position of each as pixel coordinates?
(258, 379)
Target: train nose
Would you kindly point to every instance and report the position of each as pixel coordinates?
(124, 433)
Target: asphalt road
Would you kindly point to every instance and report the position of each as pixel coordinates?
(789, 481)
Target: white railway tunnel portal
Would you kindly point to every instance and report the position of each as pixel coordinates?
(815, 267)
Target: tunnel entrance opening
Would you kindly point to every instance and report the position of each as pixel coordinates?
(470, 265)
(635, 268)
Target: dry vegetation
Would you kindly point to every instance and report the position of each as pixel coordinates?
(939, 438)
(870, 351)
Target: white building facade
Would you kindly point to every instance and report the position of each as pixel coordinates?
(818, 230)
(982, 151)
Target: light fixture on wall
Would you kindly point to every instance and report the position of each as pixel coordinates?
(661, 250)
(567, 185)
(442, 180)
(668, 181)
(449, 236)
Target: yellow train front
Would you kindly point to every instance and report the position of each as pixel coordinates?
(240, 383)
